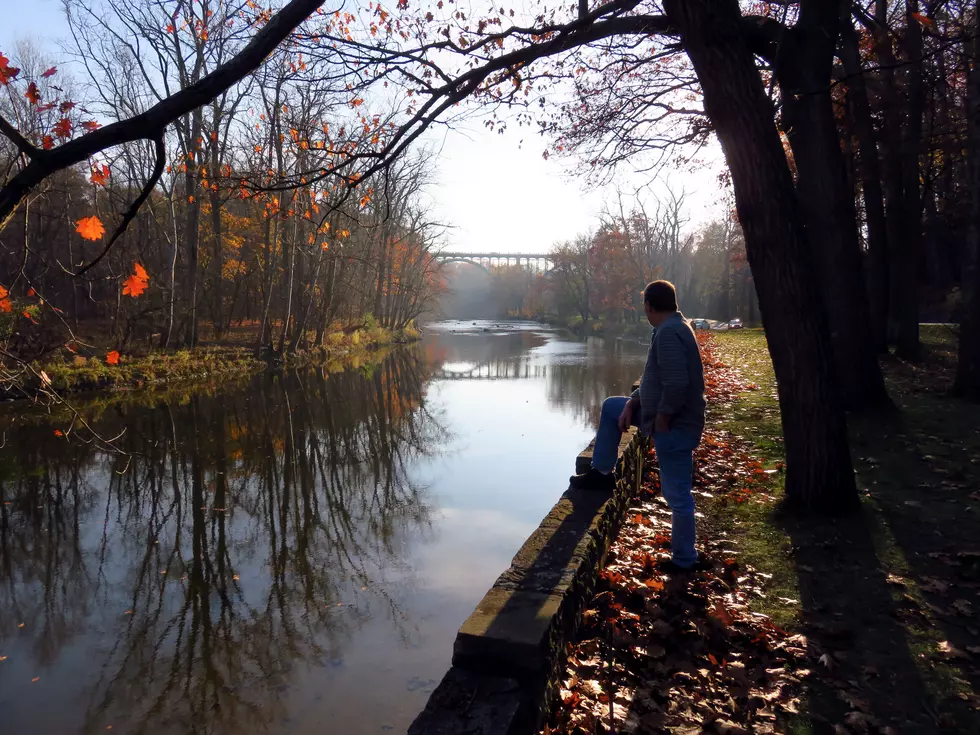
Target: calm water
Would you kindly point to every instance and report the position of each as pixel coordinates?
(291, 554)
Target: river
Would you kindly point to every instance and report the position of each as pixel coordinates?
(287, 553)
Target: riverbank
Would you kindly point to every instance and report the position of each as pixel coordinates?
(862, 624)
(70, 373)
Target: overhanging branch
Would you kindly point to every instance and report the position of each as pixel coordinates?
(151, 124)
(134, 208)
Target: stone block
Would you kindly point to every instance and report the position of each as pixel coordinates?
(584, 460)
(510, 633)
(466, 703)
(519, 632)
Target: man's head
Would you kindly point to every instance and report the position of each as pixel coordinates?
(659, 301)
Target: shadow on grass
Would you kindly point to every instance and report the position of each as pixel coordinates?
(876, 651)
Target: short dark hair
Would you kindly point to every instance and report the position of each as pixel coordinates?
(661, 295)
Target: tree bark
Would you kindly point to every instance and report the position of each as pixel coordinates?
(892, 112)
(819, 473)
(192, 229)
(803, 69)
(968, 369)
(871, 192)
(907, 264)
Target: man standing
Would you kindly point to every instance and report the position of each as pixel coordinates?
(669, 406)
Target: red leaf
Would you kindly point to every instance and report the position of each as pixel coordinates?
(50, 72)
(63, 128)
(33, 94)
(59, 432)
(90, 228)
(66, 107)
(91, 125)
(100, 176)
(137, 283)
(47, 143)
(5, 304)
(7, 72)
(112, 357)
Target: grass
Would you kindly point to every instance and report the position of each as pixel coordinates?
(70, 373)
(891, 594)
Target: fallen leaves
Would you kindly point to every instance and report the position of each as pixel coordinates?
(683, 654)
(112, 358)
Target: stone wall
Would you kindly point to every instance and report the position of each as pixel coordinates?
(510, 653)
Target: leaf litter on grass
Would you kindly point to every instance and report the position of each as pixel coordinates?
(684, 653)
(658, 653)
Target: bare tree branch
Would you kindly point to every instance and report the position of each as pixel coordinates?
(151, 124)
(134, 208)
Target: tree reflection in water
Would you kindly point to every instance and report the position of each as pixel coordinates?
(246, 534)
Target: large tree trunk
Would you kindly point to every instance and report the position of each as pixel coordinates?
(892, 112)
(907, 263)
(871, 193)
(968, 371)
(217, 258)
(192, 228)
(803, 69)
(819, 474)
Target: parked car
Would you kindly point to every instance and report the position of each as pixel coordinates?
(700, 324)
(735, 324)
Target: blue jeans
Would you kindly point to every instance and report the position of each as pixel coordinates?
(675, 455)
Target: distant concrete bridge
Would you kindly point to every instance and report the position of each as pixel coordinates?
(486, 261)
(493, 371)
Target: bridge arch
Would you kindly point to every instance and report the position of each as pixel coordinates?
(487, 260)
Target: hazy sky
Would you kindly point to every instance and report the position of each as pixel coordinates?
(496, 191)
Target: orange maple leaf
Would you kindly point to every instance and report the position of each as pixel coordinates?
(5, 304)
(137, 283)
(59, 432)
(90, 228)
(91, 125)
(63, 128)
(33, 94)
(100, 176)
(112, 358)
(47, 143)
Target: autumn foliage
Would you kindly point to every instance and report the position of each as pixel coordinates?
(137, 283)
(90, 228)
(660, 652)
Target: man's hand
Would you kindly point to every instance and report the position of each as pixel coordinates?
(661, 424)
(626, 417)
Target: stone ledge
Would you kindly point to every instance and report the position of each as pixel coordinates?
(465, 703)
(510, 653)
(584, 460)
